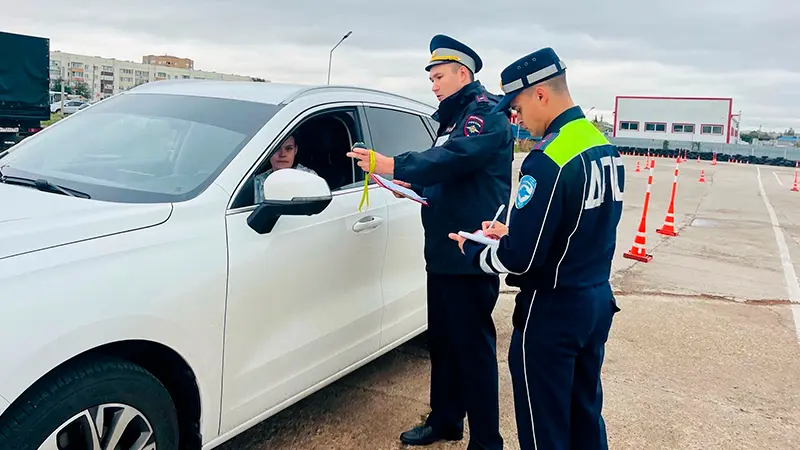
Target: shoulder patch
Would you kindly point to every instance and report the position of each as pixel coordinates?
(544, 142)
(481, 98)
(527, 186)
(473, 125)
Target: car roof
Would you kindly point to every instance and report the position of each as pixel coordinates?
(267, 92)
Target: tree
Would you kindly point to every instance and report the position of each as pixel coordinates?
(82, 89)
(789, 132)
(57, 86)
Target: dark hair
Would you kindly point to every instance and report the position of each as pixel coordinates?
(456, 66)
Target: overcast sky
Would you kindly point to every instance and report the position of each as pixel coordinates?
(743, 49)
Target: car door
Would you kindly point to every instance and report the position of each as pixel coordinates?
(304, 300)
(394, 131)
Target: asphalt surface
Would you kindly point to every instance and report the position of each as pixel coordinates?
(704, 354)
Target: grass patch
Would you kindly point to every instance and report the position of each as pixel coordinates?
(55, 117)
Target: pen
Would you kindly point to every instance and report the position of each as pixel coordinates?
(497, 215)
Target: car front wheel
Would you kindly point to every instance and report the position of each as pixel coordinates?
(101, 404)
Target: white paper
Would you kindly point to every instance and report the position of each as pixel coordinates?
(441, 140)
(399, 189)
(479, 237)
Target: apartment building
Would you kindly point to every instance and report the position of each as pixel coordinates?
(169, 61)
(109, 76)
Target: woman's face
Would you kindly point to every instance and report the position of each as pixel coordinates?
(283, 158)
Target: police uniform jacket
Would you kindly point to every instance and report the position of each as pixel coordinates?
(562, 227)
(465, 176)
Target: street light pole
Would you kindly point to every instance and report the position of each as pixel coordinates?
(330, 56)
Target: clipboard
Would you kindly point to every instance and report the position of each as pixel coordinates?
(479, 237)
(405, 192)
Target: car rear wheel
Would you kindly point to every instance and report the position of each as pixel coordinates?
(106, 404)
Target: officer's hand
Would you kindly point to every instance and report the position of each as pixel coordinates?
(496, 231)
(401, 183)
(383, 164)
(459, 239)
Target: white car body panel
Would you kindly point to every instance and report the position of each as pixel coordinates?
(262, 320)
(31, 220)
(187, 317)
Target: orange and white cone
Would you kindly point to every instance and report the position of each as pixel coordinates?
(668, 229)
(702, 176)
(794, 186)
(714, 160)
(638, 167)
(638, 251)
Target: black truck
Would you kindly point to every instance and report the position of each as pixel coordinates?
(24, 86)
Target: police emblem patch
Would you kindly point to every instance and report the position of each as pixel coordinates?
(527, 186)
(473, 126)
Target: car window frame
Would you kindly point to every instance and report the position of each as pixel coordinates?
(421, 115)
(290, 126)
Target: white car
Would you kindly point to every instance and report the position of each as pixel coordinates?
(146, 298)
(70, 106)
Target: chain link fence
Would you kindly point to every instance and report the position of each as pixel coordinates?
(754, 151)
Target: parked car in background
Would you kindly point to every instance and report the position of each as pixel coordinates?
(148, 297)
(70, 106)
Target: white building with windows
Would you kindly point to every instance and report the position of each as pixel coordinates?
(109, 76)
(692, 119)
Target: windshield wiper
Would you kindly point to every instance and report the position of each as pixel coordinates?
(42, 185)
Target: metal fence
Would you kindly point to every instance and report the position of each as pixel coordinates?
(789, 153)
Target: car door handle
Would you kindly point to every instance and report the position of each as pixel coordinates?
(367, 223)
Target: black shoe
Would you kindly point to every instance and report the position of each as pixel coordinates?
(427, 435)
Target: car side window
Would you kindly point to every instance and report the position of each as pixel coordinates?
(395, 132)
(319, 144)
(434, 124)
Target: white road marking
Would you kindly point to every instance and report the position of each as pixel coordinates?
(792, 285)
(779, 180)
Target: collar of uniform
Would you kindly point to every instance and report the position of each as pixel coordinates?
(573, 113)
(450, 107)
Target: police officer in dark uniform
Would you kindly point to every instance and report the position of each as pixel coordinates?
(557, 248)
(465, 177)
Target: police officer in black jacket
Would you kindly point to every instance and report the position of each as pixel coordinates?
(465, 177)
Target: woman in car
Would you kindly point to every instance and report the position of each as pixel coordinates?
(283, 158)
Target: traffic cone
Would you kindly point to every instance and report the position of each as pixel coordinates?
(702, 176)
(668, 229)
(638, 168)
(794, 186)
(653, 163)
(714, 160)
(637, 251)
(698, 159)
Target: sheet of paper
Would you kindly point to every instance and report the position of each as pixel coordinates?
(479, 237)
(441, 140)
(408, 193)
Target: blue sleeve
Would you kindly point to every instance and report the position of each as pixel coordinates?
(535, 215)
(472, 143)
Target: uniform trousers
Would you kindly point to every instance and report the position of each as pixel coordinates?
(555, 358)
(462, 340)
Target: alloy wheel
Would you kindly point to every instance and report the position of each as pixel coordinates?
(111, 426)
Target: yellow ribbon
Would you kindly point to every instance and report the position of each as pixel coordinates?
(365, 194)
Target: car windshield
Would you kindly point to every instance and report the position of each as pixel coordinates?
(141, 148)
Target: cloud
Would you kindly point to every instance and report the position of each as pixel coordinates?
(727, 48)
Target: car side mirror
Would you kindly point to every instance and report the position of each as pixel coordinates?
(289, 192)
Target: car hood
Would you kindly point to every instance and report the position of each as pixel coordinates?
(32, 220)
